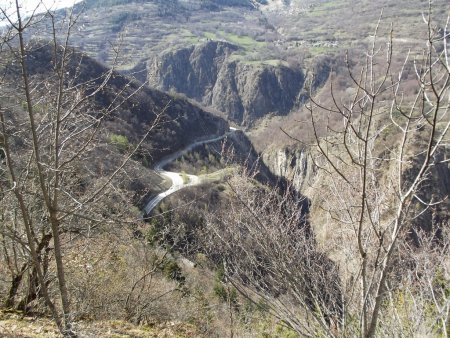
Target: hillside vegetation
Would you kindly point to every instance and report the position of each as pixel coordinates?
(271, 30)
(324, 214)
(170, 43)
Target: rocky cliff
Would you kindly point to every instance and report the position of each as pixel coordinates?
(244, 91)
(292, 163)
(192, 71)
(295, 164)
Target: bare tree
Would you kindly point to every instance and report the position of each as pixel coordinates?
(47, 153)
(261, 238)
(377, 178)
(378, 172)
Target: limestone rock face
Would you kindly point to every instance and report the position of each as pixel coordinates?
(192, 71)
(292, 163)
(244, 91)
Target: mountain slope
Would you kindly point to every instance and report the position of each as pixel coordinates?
(239, 56)
(244, 91)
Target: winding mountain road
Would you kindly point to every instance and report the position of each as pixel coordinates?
(178, 180)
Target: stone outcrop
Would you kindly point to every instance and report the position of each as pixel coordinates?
(292, 163)
(244, 91)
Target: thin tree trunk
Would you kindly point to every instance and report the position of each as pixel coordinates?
(15, 283)
(67, 330)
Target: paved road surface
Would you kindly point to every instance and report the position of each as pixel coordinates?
(177, 178)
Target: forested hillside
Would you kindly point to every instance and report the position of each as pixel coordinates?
(130, 207)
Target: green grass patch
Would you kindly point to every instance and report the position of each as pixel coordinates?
(318, 50)
(217, 176)
(244, 41)
(184, 177)
(210, 35)
(326, 8)
(270, 62)
(120, 141)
